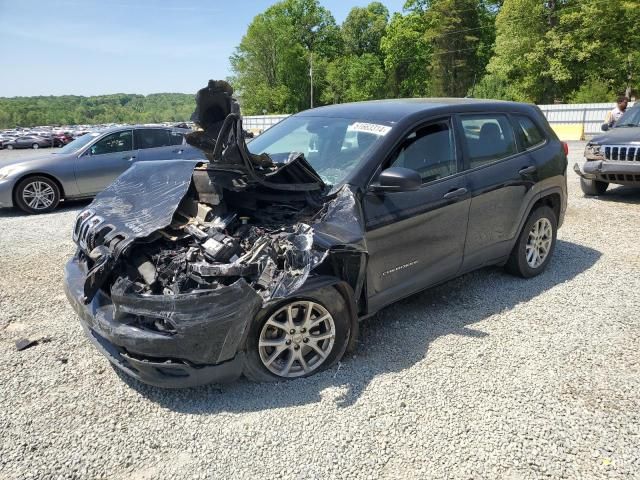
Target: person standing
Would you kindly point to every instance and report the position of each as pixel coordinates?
(614, 115)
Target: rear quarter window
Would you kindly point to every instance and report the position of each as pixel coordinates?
(176, 138)
(530, 133)
(488, 137)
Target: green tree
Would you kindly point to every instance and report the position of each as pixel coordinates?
(407, 55)
(271, 64)
(72, 110)
(592, 91)
(454, 31)
(354, 79)
(595, 43)
(549, 50)
(364, 28)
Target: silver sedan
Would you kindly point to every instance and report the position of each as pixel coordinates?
(87, 165)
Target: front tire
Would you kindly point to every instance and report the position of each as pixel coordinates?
(535, 245)
(9, 147)
(298, 337)
(37, 195)
(593, 187)
(35, 146)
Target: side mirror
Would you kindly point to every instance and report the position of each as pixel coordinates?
(604, 127)
(397, 179)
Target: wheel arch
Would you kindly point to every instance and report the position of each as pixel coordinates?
(318, 282)
(37, 174)
(551, 197)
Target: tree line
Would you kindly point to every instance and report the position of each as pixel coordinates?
(539, 51)
(77, 110)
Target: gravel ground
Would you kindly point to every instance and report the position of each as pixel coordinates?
(487, 376)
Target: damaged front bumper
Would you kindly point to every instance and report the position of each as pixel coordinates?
(177, 342)
(619, 172)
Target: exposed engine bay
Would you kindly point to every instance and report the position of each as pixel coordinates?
(179, 227)
(209, 245)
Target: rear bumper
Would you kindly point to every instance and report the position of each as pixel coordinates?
(6, 193)
(204, 348)
(623, 173)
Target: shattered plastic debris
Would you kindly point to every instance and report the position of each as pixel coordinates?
(24, 343)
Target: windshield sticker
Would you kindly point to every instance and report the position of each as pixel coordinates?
(373, 128)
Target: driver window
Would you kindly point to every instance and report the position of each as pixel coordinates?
(114, 143)
(430, 151)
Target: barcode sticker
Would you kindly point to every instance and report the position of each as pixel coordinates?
(373, 128)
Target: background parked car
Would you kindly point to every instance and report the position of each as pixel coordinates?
(613, 157)
(60, 140)
(87, 165)
(28, 142)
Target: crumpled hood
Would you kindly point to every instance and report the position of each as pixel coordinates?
(142, 200)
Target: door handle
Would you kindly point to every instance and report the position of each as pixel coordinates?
(528, 170)
(459, 192)
(178, 151)
(129, 159)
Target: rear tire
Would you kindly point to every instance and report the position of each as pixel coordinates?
(37, 195)
(35, 146)
(273, 353)
(593, 187)
(535, 245)
(9, 147)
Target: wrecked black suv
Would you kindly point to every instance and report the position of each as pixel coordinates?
(262, 261)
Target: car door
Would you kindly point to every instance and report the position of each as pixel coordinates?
(499, 177)
(104, 161)
(416, 238)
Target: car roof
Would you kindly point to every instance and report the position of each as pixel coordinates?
(394, 110)
(128, 127)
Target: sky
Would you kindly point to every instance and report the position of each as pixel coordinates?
(94, 47)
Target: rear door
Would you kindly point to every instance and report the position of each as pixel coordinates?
(104, 161)
(500, 178)
(416, 239)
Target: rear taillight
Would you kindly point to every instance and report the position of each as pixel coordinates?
(565, 147)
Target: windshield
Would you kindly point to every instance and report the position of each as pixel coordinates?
(333, 146)
(631, 118)
(78, 143)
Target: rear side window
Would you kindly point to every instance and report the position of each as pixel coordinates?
(489, 137)
(531, 134)
(151, 138)
(175, 138)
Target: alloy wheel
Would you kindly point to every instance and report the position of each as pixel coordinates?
(539, 243)
(296, 339)
(38, 195)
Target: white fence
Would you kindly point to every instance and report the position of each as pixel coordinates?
(590, 115)
(259, 123)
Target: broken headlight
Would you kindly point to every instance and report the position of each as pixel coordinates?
(593, 152)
